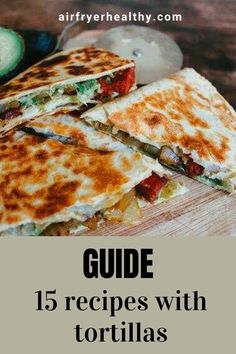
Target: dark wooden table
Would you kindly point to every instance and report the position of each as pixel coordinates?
(206, 33)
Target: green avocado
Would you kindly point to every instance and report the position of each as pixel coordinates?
(12, 52)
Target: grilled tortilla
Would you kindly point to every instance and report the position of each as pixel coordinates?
(66, 126)
(78, 77)
(44, 181)
(55, 188)
(53, 149)
(183, 121)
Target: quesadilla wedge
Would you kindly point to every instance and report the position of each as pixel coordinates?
(67, 126)
(54, 188)
(182, 121)
(78, 76)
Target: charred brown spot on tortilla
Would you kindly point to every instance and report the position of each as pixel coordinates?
(38, 194)
(106, 178)
(41, 155)
(12, 219)
(76, 69)
(11, 89)
(17, 192)
(93, 50)
(17, 152)
(155, 119)
(11, 205)
(58, 196)
(43, 75)
(53, 61)
(17, 176)
(84, 61)
(68, 164)
(78, 135)
(205, 148)
(3, 147)
(26, 77)
(182, 108)
(10, 199)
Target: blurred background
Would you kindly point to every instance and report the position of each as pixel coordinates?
(206, 35)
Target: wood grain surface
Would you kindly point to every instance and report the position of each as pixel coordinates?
(207, 38)
(203, 211)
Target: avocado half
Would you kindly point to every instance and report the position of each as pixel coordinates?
(12, 52)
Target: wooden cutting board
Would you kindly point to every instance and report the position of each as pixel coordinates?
(203, 211)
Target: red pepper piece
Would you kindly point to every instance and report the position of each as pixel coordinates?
(150, 187)
(194, 169)
(10, 113)
(121, 84)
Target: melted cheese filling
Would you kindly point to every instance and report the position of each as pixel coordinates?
(214, 176)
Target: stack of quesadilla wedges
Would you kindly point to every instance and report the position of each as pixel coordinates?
(75, 77)
(54, 185)
(59, 174)
(66, 166)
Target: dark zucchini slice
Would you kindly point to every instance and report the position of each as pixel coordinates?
(12, 51)
(150, 150)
